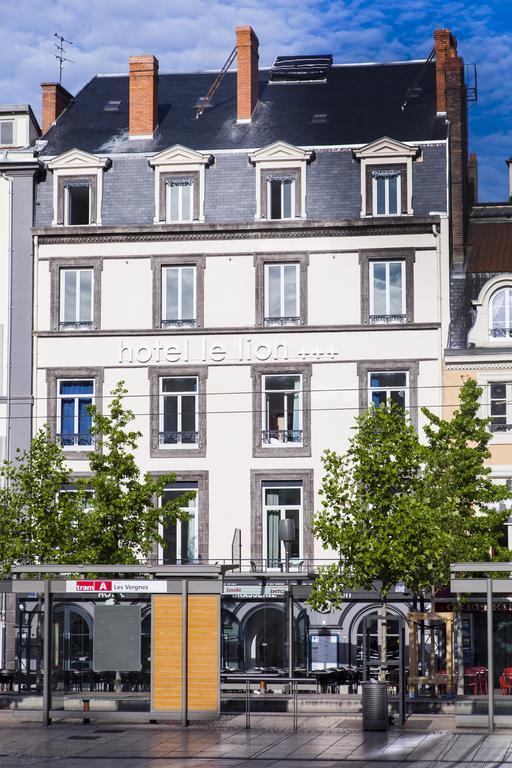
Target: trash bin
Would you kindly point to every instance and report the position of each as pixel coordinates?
(375, 706)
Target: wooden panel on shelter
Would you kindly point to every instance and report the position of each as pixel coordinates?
(166, 655)
(203, 653)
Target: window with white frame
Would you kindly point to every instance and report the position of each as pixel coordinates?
(387, 292)
(386, 192)
(500, 406)
(179, 411)
(77, 203)
(282, 410)
(500, 314)
(179, 297)
(6, 133)
(74, 420)
(386, 387)
(76, 299)
(72, 490)
(282, 294)
(179, 198)
(281, 197)
(181, 536)
(281, 501)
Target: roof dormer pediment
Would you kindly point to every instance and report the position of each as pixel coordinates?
(179, 155)
(280, 151)
(77, 158)
(386, 148)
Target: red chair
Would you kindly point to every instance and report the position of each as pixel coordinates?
(475, 679)
(506, 681)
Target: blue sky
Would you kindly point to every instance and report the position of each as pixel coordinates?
(198, 34)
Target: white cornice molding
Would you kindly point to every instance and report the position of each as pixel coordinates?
(178, 155)
(78, 159)
(386, 148)
(280, 151)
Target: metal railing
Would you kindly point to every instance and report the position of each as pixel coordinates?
(78, 325)
(387, 319)
(280, 321)
(500, 427)
(263, 680)
(185, 323)
(178, 438)
(269, 436)
(500, 333)
(84, 439)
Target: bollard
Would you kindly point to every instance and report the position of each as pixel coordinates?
(86, 708)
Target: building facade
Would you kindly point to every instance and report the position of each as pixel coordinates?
(256, 275)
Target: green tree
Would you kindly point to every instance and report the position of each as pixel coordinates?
(123, 515)
(38, 523)
(375, 516)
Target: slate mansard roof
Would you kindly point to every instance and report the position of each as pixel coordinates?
(361, 103)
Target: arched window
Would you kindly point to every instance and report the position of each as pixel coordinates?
(500, 313)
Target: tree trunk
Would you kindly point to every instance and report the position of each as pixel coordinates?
(383, 641)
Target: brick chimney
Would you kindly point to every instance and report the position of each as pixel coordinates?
(55, 101)
(143, 96)
(473, 179)
(446, 47)
(247, 84)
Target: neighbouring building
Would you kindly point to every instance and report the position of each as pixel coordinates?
(257, 270)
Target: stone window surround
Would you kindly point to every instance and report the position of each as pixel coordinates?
(53, 375)
(280, 158)
(260, 259)
(179, 161)
(478, 335)
(155, 373)
(202, 480)
(410, 366)
(157, 262)
(387, 254)
(269, 369)
(297, 206)
(55, 264)
(164, 177)
(76, 165)
(258, 477)
(386, 154)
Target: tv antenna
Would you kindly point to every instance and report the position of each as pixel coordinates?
(61, 51)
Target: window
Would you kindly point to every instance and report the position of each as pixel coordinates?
(282, 294)
(281, 197)
(178, 411)
(86, 497)
(500, 314)
(282, 410)
(500, 406)
(386, 192)
(387, 387)
(179, 297)
(181, 536)
(6, 132)
(77, 203)
(281, 502)
(179, 199)
(76, 289)
(73, 419)
(387, 292)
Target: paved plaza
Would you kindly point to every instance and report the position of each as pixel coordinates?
(328, 742)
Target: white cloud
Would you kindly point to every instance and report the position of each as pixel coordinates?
(199, 34)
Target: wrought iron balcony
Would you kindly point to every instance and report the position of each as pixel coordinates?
(500, 333)
(178, 438)
(499, 426)
(387, 319)
(280, 321)
(75, 439)
(185, 323)
(78, 325)
(272, 436)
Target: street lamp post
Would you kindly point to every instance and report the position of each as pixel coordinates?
(287, 536)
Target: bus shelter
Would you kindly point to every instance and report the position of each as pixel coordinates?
(487, 687)
(117, 641)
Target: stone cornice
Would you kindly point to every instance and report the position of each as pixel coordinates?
(394, 225)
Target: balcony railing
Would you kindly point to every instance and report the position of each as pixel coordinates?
(281, 321)
(75, 439)
(78, 325)
(500, 333)
(178, 438)
(273, 436)
(185, 323)
(387, 319)
(500, 427)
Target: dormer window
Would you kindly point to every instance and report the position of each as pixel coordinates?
(179, 185)
(386, 177)
(280, 181)
(77, 202)
(6, 133)
(179, 198)
(77, 188)
(500, 314)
